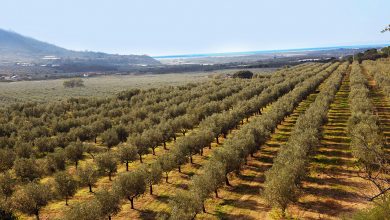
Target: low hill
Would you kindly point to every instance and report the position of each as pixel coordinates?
(18, 48)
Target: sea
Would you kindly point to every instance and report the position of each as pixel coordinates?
(248, 53)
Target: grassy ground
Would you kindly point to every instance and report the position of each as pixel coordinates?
(103, 86)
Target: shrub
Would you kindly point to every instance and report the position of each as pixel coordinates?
(243, 74)
(73, 83)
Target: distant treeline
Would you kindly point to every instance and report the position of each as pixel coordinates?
(371, 54)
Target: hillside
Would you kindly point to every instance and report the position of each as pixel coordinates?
(18, 48)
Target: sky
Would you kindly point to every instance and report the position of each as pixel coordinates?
(169, 27)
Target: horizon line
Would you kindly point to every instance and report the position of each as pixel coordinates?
(254, 52)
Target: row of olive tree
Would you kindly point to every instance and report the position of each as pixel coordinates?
(367, 141)
(132, 184)
(282, 181)
(232, 155)
(212, 127)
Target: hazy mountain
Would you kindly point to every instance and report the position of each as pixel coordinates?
(18, 48)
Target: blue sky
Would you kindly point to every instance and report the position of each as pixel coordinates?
(166, 27)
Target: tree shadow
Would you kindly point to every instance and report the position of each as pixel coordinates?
(245, 204)
(338, 194)
(226, 216)
(151, 215)
(329, 207)
(246, 189)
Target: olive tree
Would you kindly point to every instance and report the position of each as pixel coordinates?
(65, 185)
(107, 163)
(185, 205)
(90, 210)
(110, 138)
(29, 199)
(7, 158)
(153, 175)
(74, 152)
(127, 154)
(167, 163)
(27, 169)
(88, 175)
(130, 185)
(7, 184)
(109, 203)
(141, 144)
(55, 161)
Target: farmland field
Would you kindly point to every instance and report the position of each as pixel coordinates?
(305, 142)
(102, 86)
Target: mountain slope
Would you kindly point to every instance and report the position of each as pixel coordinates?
(15, 48)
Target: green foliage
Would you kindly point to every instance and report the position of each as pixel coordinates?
(74, 152)
(130, 185)
(127, 154)
(109, 202)
(107, 163)
(380, 211)
(30, 198)
(27, 169)
(88, 175)
(7, 184)
(153, 175)
(66, 185)
(185, 205)
(7, 158)
(110, 138)
(90, 210)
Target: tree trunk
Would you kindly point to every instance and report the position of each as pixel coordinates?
(37, 214)
(77, 163)
(127, 165)
(90, 187)
(216, 193)
(165, 145)
(66, 200)
(227, 181)
(166, 177)
(109, 217)
(191, 159)
(131, 202)
(210, 146)
(151, 189)
(242, 122)
(95, 140)
(174, 137)
(216, 138)
(204, 208)
(153, 151)
(201, 152)
(140, 158)
(224, 135)
(109, 176)
(179, 169)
